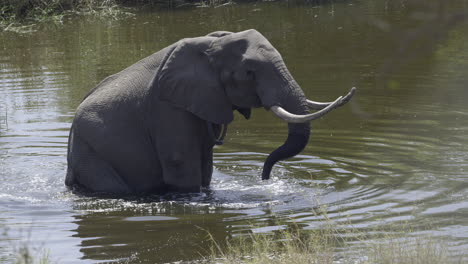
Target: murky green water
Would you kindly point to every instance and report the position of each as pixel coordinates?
(397, 152)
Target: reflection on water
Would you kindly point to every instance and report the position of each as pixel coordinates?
(397, 152)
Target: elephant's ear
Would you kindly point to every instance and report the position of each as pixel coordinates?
(189, 81)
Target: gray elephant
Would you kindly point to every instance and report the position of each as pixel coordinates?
(151, 128)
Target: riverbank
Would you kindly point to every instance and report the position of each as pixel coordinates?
(14, 11)
(24, 11)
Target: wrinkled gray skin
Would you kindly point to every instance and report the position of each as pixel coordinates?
(146, 129)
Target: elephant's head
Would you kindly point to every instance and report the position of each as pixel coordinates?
(212, 75)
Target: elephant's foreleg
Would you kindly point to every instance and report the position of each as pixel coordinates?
(184, 147)
(181, 171)
(207, 167)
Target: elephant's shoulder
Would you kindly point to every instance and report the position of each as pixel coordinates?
(103, 83)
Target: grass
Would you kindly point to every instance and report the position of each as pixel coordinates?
(23, 252)
(20, 15)
(285, 246)
(24, 22)
(25, 255)
(295, 246)
(416, 250)
(13, 12)
(39, 9)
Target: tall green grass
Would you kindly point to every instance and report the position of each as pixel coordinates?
(323, 246)
(286, 246)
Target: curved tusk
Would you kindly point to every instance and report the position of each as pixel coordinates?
(319, 105)
(293, 118)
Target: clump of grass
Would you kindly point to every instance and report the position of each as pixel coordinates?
(285, 247)
(294, 246)
(25, 255)
(24, 252)
(291, 245)
(422, 249)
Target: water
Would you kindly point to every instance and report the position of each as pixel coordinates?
(397, 152)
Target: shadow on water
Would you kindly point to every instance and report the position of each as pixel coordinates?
(397, 152)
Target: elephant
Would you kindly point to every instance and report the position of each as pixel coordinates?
(152, 127)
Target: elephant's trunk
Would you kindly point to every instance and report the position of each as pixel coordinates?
(294, 108)
(293, 100)
(294, 144)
